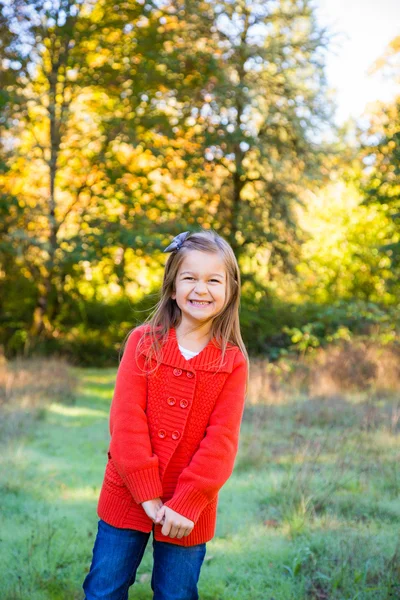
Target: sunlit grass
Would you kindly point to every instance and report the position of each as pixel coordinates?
(74, 411)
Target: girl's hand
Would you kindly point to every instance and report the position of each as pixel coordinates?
(175, 525)
(151, 507)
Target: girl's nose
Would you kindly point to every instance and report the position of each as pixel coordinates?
(201, 289)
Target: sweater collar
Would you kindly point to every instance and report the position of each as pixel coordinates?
(207, 360)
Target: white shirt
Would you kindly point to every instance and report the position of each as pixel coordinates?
(187, 353)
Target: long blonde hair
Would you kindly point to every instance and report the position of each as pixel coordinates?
(225, 326)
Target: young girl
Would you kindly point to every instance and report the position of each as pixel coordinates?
(174, 424)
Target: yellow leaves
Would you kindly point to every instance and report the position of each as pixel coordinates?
(113, 37)
(96, 60)
(283, 136)
(124, 152)
(168, 46)
(153, 214)
(172, 23)
(385, 262)
(97, 14)
(392, 49)
(91, 45)
(394, 45)
(142, 22)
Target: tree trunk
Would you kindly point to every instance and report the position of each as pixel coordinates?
(41, 324)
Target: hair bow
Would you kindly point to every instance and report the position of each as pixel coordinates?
(177, 241)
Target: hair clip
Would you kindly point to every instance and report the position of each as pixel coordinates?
(177, 242)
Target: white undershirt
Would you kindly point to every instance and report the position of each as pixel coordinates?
(187, 353)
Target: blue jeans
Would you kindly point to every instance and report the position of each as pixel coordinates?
(117, 554)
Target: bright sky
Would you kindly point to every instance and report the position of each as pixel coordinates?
(366, 28)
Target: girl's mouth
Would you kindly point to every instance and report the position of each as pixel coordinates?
(199, 303)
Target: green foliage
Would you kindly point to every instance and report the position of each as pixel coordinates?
(381, 157)
(343, 320)
(90, 332)
(272, 327)
(304, 338)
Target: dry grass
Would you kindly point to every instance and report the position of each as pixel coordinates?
(356, 367)
(27, 386)
(28, 381)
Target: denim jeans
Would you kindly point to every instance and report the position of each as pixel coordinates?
(117, 554)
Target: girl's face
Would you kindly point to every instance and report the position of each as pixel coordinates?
(201, 277)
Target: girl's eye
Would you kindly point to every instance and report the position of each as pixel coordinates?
(210, 279)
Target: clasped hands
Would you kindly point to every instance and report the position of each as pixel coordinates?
(174, 524)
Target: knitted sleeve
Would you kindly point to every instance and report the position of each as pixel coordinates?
(213, 462)
(130, 446)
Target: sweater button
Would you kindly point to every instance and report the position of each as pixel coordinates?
(171, 401)
(183, 403)
(189, 374)
(162, 433)
(176, 435)
(177, 372)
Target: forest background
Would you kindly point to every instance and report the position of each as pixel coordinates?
(126, 123)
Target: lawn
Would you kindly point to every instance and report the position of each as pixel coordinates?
(312, 510)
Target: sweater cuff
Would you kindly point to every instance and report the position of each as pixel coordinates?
(188, 501)
(144, 484)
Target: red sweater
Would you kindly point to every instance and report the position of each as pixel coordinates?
(174, 435)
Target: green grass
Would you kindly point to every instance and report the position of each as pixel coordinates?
(312, 510)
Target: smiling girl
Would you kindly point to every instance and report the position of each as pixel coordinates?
(174, 424)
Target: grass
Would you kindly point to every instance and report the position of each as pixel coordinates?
(312, 510)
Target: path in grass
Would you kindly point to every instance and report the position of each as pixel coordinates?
(311, 511)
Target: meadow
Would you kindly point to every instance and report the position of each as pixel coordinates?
(311, 511)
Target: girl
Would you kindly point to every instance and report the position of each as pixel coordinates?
(174, 424)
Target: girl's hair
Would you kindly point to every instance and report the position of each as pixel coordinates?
(225, 326)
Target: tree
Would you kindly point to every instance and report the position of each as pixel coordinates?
(12, 62)
(143, 118)
(257, 121)
(380, 153)
(65, 75)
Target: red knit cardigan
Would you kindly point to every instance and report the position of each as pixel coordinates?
(174, 435)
